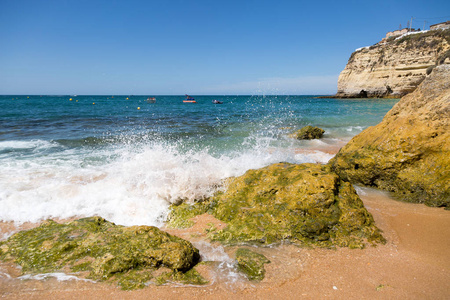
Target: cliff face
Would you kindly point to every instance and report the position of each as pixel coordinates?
(394, 68)
(408, 153)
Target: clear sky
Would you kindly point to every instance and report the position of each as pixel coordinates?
(172, 47)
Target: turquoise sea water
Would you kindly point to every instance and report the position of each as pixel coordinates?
(126, 160)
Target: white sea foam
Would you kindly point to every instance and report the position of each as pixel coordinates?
(58, 276)
(351, 128)
(226, 270)
(33, 144)
(212, 253)
(6, 235)
(5, 275)
(126, 185)
(314, 157)
(360, 191)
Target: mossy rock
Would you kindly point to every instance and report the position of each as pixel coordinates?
(304, 204)
(308, 133)
(191, 277)
(99, 250)
(251, 264)
(180, 215)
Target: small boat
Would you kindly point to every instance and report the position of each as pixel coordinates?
(217, 102)
(189, 99)
(151, 100)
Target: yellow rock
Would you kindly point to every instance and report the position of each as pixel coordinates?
(408, 153)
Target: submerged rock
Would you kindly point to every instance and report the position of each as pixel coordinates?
(303, 204)
(309, 133)
(100, 250)
(251, 264)
(408, 153)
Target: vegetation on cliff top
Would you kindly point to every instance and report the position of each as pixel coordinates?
(427, 39)
(419, 40)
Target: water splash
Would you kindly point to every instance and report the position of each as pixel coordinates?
(58, 276)
(226, 271)
(129, 184)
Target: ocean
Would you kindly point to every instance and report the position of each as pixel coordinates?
(127, 160)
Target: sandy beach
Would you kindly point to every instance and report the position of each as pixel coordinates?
(413, 264)
(124, 119)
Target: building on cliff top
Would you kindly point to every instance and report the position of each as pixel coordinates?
(400, 32)
(397, 33)
(443, 25)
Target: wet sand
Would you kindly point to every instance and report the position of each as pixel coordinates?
(413, 264)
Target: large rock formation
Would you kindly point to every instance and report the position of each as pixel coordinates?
(394, 68)
(408, 153)
(303, 204)
(101, 250)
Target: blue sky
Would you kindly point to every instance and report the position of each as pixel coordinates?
(172, 47)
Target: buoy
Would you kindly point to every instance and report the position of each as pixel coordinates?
(70, 99)
(77, 100)
(93, 103)
(127, 98)
(139, 108)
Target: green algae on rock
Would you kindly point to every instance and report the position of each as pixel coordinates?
(192, 277)
(99, 250)
(408, 153)
(180, 215)
(308, 133)
(251, 264)
(304, 204)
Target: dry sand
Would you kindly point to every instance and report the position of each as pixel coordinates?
(414, 264)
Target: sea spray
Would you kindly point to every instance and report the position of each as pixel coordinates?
(226, 271)
(127, 184)
(66, 159)
(58, 275)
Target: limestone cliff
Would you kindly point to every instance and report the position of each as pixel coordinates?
(408, 153)
(395, 67)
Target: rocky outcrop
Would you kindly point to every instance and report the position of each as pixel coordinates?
(101, 250)
(303, 204)
(394, 68)
(308, 133)
(408, 153)
(251, 264)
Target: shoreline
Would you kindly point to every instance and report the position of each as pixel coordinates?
(357, 96)
(413, 264)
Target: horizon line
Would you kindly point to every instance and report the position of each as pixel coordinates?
(139, 95)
